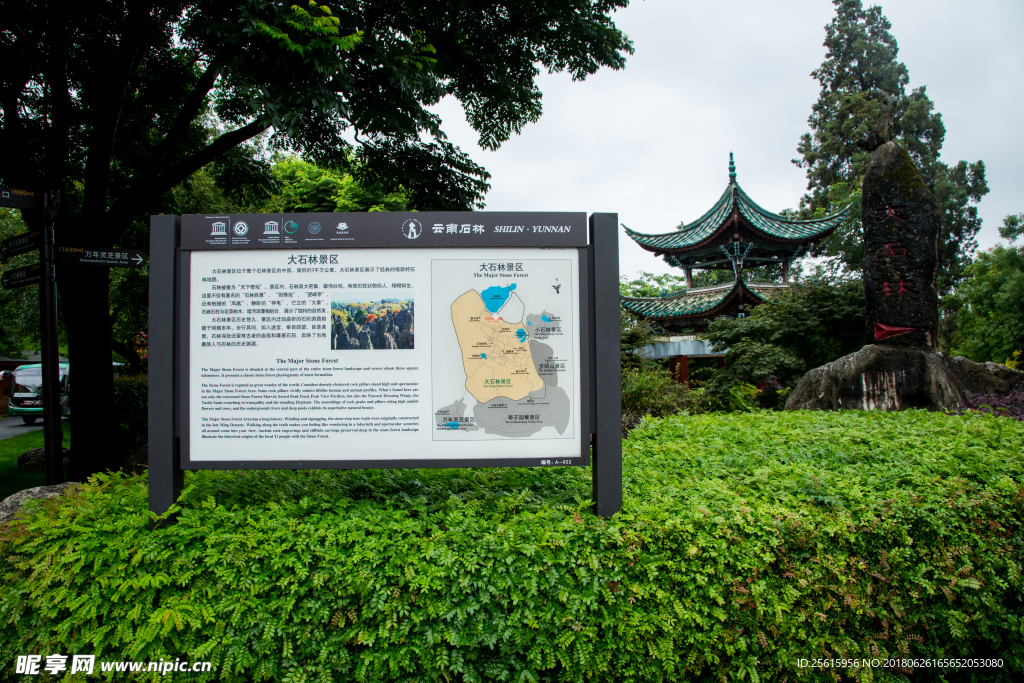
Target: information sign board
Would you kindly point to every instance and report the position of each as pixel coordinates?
(367, 340)
(419, 354)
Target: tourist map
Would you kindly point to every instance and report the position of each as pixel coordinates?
(504, 348)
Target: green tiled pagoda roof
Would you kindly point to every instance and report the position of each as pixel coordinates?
(772, 225)
(696, 302)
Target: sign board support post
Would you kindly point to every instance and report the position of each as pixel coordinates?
(606, 461)
(53, 436)
(166, 478)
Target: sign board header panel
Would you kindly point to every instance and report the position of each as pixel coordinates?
(384, 230)
(383, 358)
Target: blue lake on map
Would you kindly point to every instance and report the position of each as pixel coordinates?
(545, 318)
(521, 333)
(495, 297)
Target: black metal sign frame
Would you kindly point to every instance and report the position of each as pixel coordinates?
(173, 239)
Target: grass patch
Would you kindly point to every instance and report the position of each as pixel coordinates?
(746, 542)
(13, 479)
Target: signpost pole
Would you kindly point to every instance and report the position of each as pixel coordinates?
(166, 478)
(53, 436)
(607, 458)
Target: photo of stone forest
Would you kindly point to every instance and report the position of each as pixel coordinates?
(384, 324)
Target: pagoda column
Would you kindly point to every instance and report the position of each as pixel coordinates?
(689, 277)
(785, 270)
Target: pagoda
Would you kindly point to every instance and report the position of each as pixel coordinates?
(736, 233)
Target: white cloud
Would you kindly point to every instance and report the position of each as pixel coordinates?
(652, 142)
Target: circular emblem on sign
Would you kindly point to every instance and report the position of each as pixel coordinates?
(291, 227)
(314, 228)
(412, 228)
(241, 228)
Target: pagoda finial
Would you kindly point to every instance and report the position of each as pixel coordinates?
(732, 169)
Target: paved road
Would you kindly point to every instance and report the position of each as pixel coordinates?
(12, 426)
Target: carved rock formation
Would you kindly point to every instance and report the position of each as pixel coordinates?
(901, 232)
(895, 378)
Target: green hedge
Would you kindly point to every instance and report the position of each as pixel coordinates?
(747, 541)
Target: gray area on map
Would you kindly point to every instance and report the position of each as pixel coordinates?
(542, 355)
(550, 405)
(536, 326)
(457, 409)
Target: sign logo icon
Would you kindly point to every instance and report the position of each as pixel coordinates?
(271, 228)
(241, 228)
(291, 227)
(342, 227)
(412, 228)
(219, 228)
(314, 228)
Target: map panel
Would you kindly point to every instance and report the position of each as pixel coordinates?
(504, 348)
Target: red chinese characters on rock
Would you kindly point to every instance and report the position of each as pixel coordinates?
(901, 288)
(892, 249)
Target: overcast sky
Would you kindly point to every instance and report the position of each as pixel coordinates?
(651, 142)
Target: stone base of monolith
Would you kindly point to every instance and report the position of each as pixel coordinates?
(882, 377)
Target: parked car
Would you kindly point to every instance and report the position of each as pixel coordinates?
(27, 392)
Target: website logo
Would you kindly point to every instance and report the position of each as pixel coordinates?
(241, 228)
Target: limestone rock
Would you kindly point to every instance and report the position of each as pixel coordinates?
(35, 459)
(895, 378)
(10, 505)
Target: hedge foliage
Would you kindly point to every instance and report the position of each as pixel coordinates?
(747, 541)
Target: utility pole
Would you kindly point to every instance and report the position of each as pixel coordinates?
(53, 435)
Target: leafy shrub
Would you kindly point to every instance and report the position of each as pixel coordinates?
(746, 541)
(131, 410)
(743, 397)
(649, 390)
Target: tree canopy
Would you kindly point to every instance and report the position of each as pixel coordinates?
(115, 105)
(989, 305)
(862, 81)
(814, 323)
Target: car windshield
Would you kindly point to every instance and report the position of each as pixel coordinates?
(30, 381)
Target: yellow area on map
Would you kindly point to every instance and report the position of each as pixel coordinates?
(497, 363)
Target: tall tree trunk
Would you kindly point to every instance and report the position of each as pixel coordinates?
(85, 295)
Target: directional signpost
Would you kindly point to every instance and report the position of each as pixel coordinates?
(14, 198)
(107, 256)
(21, 277)
(21, 244)
(39, 210)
